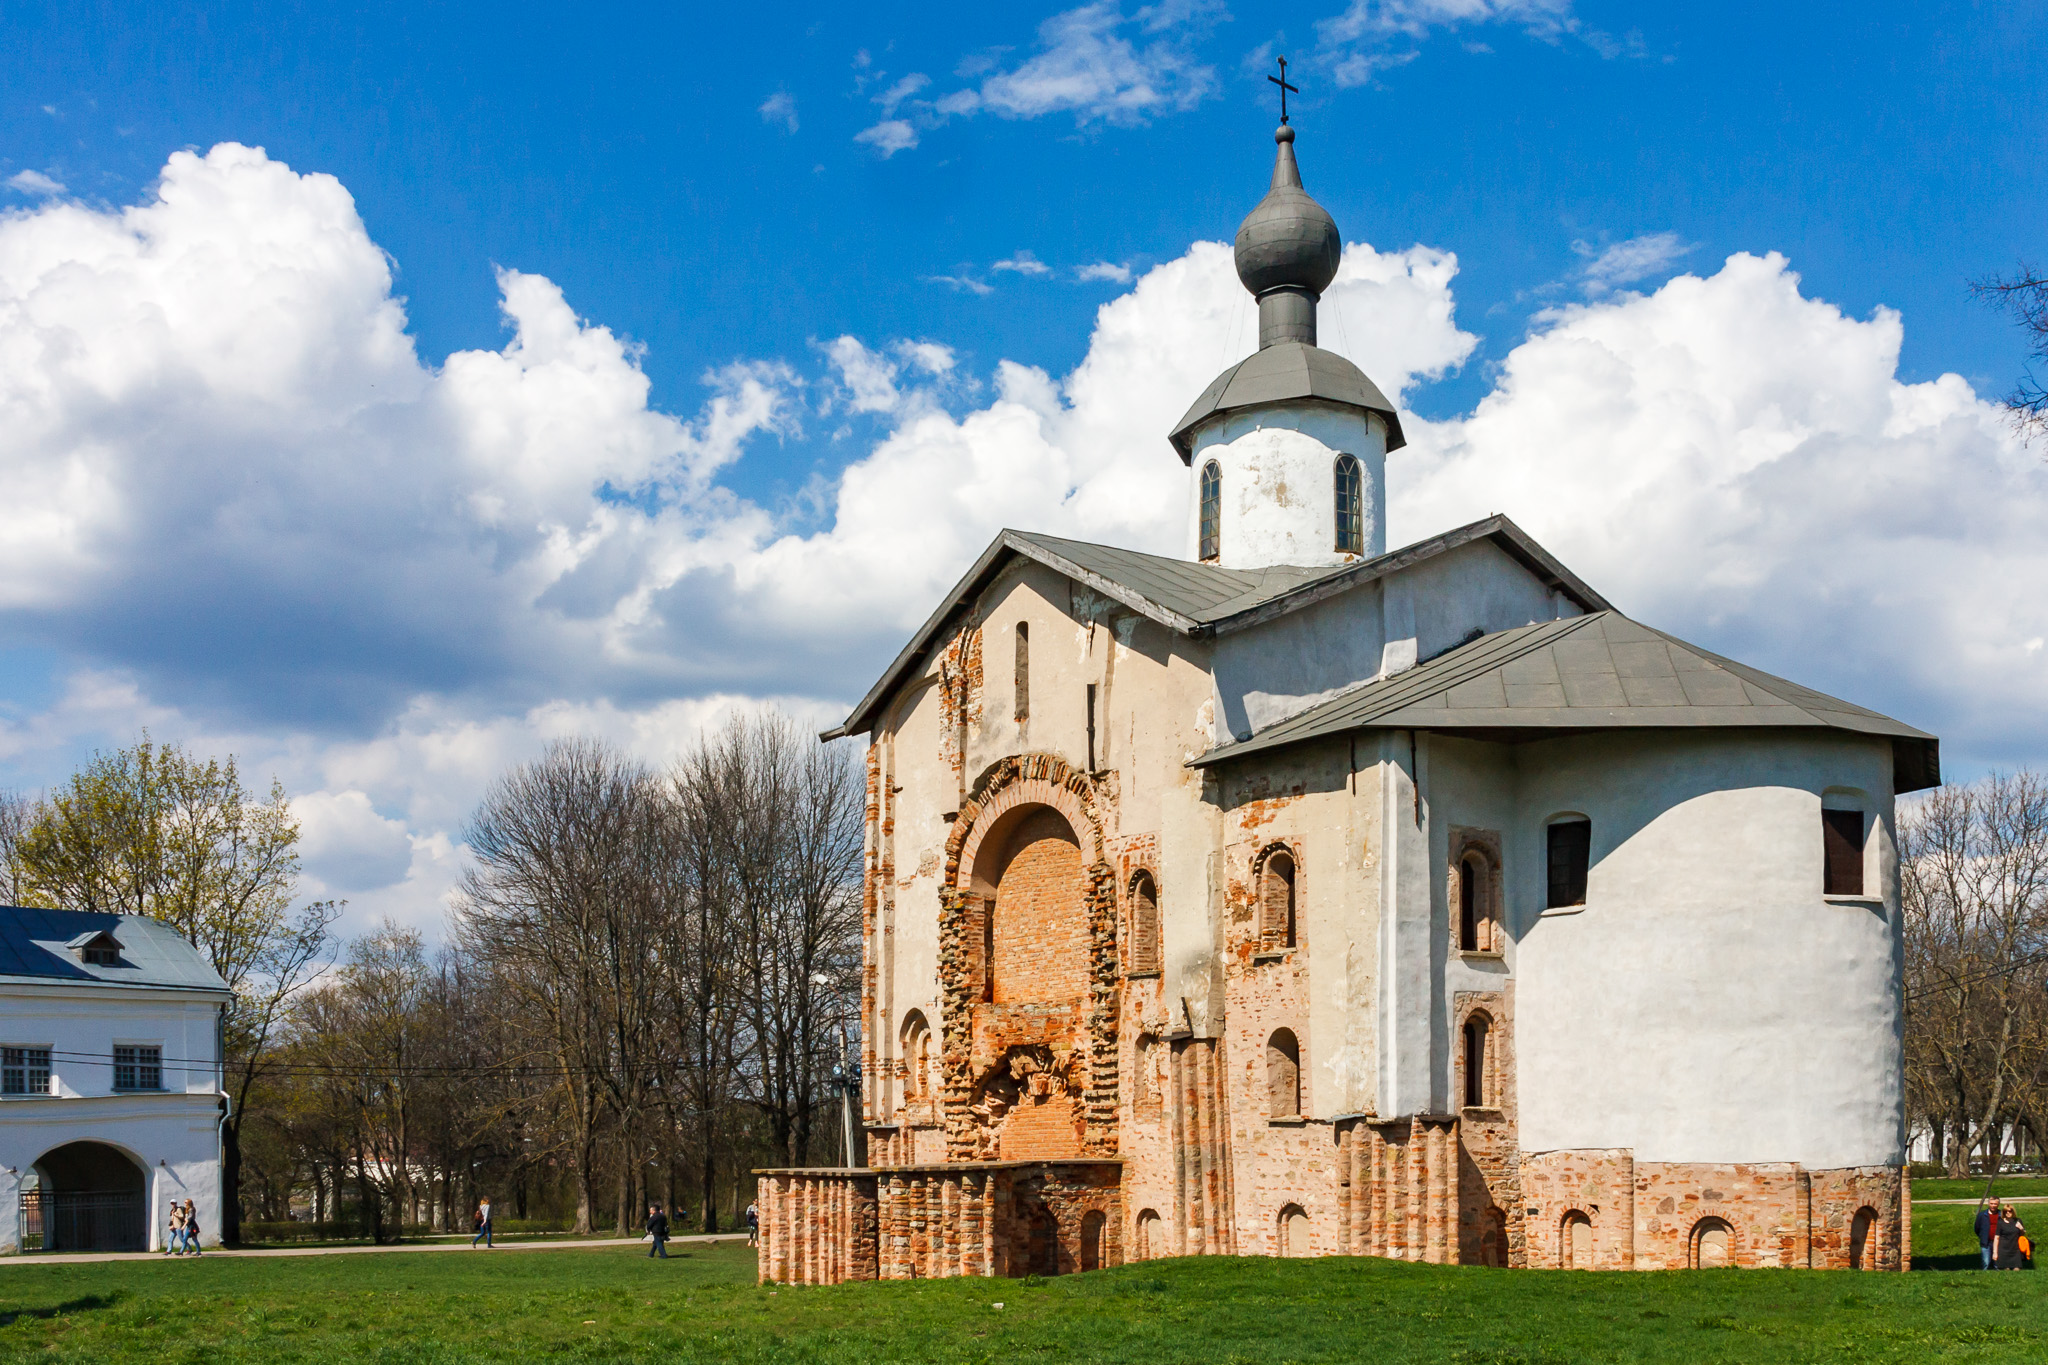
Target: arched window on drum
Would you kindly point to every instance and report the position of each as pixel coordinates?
(1211, 532)
(1350, 506)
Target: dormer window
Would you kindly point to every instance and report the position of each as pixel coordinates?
(1212, 511)
(99, 949)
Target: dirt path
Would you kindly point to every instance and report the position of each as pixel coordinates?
(63, 1257)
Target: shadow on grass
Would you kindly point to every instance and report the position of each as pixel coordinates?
(1968, 1260)
(80, 1305)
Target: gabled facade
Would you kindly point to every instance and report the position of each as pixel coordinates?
(110, 1081)
(1300, 898)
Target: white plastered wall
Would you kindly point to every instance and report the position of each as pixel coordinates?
(173, 1136)
(1708, 1004)
(1278, 469)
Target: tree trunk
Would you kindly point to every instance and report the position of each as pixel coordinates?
(231, 1182)
(710, 1189)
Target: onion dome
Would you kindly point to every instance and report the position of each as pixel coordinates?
(1289, 241)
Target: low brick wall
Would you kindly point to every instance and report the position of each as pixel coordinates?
(830, 1225)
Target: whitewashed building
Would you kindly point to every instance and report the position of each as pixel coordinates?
(110, 1081)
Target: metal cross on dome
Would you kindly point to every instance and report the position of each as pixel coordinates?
(1281, 81)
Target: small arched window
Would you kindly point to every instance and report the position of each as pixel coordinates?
(1276, 902)
(1713, 1244)
(1092, 1224)
(1478, 1083)
(1145, 1242)
(1575, 1242)
(1294, 1231)
(1350, 507)
(1571, 856)
(1212, 511)
(1283, 1075)
(1862, 1239)
(1023, 674)
(1144, 923)
(917, 1058)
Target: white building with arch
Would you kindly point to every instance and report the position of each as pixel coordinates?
(110, 1081)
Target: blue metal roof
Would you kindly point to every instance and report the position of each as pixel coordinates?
(35, 947)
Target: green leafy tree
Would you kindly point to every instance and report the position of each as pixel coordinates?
(151, 830)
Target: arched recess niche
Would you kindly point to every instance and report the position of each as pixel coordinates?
(1024, 808)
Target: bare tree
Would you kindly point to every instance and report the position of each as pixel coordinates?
(2024, 295)
(1974, 880)
(557, 902)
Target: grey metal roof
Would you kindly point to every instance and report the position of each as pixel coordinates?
(1202, 599)
(1596, 672)
(35, 947)
(1288, 372)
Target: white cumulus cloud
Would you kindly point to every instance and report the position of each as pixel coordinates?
(410, 574)
(1373, 35)
(35, 182)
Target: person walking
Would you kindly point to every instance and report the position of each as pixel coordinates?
(192, 1228)
(174, 1238)
(753, 1224)
(1987, 1231)
(657, 1232)
(2007, 1254)
(483, 1225)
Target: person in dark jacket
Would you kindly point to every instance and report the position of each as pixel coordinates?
(657, 1232)
(1987, 1231)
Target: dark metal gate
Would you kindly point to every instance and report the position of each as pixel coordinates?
(86, 1220)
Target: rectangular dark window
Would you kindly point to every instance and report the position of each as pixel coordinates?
(1571, 851)
(24, 1071)
(1842, 841)
(138, 1068)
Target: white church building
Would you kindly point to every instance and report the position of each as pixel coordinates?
(110, 1081)
(1299, 896)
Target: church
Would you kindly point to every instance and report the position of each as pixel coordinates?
(1299, 897)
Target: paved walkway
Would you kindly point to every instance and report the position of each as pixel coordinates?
(62, 1257)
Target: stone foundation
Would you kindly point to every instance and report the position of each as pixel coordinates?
(1678, 1215)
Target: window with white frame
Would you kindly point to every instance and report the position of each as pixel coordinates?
(24, 1071)
(138, 1068)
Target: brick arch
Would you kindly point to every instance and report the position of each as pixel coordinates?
(1009, 786)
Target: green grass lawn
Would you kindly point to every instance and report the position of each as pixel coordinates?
(2006, 1186)
(611, 1304)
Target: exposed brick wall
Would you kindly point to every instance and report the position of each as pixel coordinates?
(1041, 915)
(1054, 1046)
(1490, 1218)
(1646, 1215)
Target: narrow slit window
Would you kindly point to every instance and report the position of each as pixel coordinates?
(1212, 510)
(1468, 905)
(1144, 924)
(1842, 838)
(1350, 508)
(1276, 903)
(1023, 678)
(1571, 850)
(1475, 1061)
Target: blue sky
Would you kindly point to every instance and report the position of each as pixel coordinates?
(857, 254)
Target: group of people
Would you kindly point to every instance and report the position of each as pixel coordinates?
(657, 1226)
(2002, 1238)
(184, 1230)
